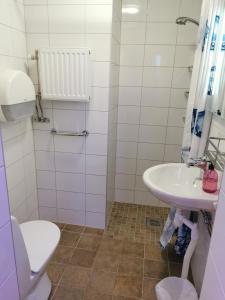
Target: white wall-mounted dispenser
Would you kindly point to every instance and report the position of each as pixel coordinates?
(17, 96)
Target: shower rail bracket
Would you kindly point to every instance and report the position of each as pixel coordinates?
(69, 133)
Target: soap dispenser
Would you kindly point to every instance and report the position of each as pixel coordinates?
(210, 179)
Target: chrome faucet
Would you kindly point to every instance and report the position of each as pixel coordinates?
(200, 162)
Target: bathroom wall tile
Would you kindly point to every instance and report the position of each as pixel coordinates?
(191, 8)
(75, 15)
(131, 55)
(127, 132)
(9, 289)
(45, 160)
(130, 96)
(140, 16)
(95, 184)
(96, 165)
(163, 11)
(69, 162)
(75, 217)
(172, 153)
(68, 40)
(97, 122)
(14, 173)
(96, 144)
(48, 213)
(132, 33)
(139, 184)
(46, 198)
(68, 120)
(128, 114)
(17, 195)
(181, 78)
(152, 134)
(157, 77)
(125, 165)
(150, 151)
(178, 98)
(124, 196)
(5, 44)
(187, 35)
(6, 254)
(96, 220)
(130, 76)
(176, 116)
(4, 207)
(68, 200)
(69, 144)
(156, 97)
(101, 72)
(174, 135)
(184, 56)
(126, 149)
(99, 19)
(70, 182)
(125, 181)
(146, 198)
(154, 116)
(161, 33)
(159, 56)
(144, 164)
(95, 203)
(36, 19)
(99, 99)
(45, 180)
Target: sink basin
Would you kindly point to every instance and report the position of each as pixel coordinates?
(179, 186)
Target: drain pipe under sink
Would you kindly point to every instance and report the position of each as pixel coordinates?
(179, 220)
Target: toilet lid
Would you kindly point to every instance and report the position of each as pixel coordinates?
(41, 239)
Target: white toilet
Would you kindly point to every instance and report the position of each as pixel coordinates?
(34, 243)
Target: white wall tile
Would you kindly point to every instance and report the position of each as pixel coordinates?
(172, 153)
(174, 135)
(187, 35)
(176, 116)
(45, 160)
(133, 33)
(161, 33)
(69, 144)
(130, 76)
(75, 18)
(163, 11)
(126, 165)
(101, 72)
(144, 164)
(96, 165)
(129, 96)
(96, 144)
(150, 151)
(191, 8)
(46, 198)
(46, 180)
(97, 122)
(181, 78)
(140, 16)
(184, 56)
(178, 98)
(43, 140)
(154, 116)
(95, 184)
(68, 200)
(156, 97)
(152, 134)
(95, 220)
(125, 181)
(68, 120)
(159, 56)
(36, 19)
(69, 162)
(95, 203)
(99, 18)
(48, 213)
(69, 182)
(128, 114)
(126, 149)
(157, 77)
(131, 55)
(99, 99)
(127, 132)
(125, 196)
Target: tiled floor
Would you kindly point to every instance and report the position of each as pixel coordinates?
(122, 263)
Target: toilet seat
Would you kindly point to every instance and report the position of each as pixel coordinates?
(41, 239)
(175, 288)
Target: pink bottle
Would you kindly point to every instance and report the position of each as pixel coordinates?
(210, 179)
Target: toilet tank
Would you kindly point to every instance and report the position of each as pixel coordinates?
(17, 96)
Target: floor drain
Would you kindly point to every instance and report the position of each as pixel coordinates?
(150, 222)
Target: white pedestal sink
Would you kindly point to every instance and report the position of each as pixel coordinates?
(179, 186)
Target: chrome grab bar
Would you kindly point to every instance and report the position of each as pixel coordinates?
(69, 133)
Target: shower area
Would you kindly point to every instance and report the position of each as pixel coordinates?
(77, 158)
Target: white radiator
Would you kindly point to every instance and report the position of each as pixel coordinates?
(64, 74)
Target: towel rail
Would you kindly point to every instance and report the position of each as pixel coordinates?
(69, 133)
